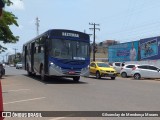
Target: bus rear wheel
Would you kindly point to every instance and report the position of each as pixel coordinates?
(43, 76)
(76, 78)
(28, 72)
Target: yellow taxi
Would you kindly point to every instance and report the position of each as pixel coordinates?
(101, 69)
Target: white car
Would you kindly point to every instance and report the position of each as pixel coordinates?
(11, 65)
(126, 70)
(117, 66)
(19, 65)
(145, 71)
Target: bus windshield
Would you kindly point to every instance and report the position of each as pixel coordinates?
(70, 49)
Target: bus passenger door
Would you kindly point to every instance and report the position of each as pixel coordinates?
(25, 57)
(32, 56)
(46, 52)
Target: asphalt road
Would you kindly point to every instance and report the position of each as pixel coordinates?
(23, 93)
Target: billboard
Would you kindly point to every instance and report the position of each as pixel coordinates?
(123, 52)
(149, 48)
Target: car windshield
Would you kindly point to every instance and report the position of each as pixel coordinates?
(102, 65)
(19, 63)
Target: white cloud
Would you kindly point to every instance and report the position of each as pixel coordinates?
(17, 5)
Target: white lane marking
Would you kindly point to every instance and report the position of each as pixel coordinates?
(24, 100)
(16, 90)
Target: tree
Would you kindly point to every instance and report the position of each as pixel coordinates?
(8, 19)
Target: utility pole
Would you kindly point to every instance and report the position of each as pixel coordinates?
(37, 25)
(94, 30)
(15, 52)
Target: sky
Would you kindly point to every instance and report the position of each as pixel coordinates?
(121, 20)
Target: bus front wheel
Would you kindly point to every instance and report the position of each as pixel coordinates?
(76, 78)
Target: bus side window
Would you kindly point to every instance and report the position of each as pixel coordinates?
(34, 49)
(42, 49)
(24, 49)
(39, 49)
(28, 49)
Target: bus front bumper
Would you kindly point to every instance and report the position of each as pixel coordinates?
(54, 71)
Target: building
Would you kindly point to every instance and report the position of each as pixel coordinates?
(107, 43)
(12, 59)
(101, 50)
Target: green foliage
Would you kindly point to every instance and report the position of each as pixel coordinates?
(16, 61)
(8, 19)
(8, 2)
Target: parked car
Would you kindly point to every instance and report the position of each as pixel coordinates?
(2, 70)
(11, 65)
(145, 71)
(126, 70)
(118, 65)
(19, 65)
(101, 69)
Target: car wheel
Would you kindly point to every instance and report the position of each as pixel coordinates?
(124, 74)
(98, 76)
(137, 76)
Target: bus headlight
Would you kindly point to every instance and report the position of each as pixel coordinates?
(52, 64)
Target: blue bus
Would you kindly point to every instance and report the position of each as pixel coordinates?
(58, 52)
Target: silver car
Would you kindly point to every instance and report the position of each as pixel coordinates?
(117, 66)
(145, 71)
(127, 69)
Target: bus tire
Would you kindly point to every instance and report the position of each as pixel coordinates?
(76, 78)
(28, 72)
(43, 76)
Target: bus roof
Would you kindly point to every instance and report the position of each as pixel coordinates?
(67, 33)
